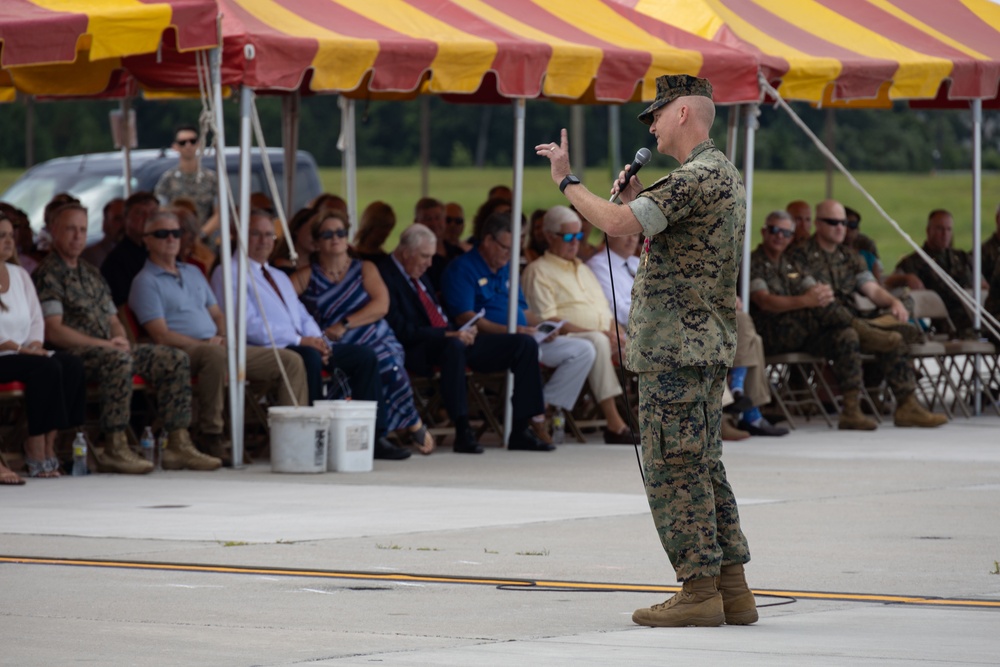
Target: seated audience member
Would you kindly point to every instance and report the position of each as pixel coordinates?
(348, 299)
(801, 214)
(292, 327)
(129, 256)
(330, 202)
(113, 226)
(300, 231)
(53, 386)
(454, 227)
(838, 272)
(914, 272)
(377, 223)
(175, 305)
(620, 269)
(81, 317)
(193, 251)
(497, 204)
(560, 287)
(8, 477)
(991, 251)
(430, 213)
(534, 241)
(747, 380)
(586, 249)
(429, 341)
(865, 245)
(500, 192)
(478, 281)
(24, 238)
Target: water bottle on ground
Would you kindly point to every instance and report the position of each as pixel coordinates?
(558, 427)
(80, 455)
(147, 444)
(161, 444)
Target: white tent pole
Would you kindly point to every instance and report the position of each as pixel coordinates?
(614, 141)
(733, 132)
(977, 236)
(243, 211)
(235, 406)
(515, 247)
(126, 132)
(751, 123)
(351, 163)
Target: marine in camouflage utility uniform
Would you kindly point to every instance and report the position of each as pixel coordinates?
(845, 271)
(958, 265)
(682, 339)
(823, 332)
(202, 187)
(83, 299)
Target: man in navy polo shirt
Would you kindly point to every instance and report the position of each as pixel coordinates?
(480, 280)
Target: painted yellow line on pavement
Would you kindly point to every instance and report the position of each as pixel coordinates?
(525, 584)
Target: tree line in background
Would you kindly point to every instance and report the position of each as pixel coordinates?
(466, 135)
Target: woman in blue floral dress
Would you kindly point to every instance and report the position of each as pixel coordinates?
(348, 299)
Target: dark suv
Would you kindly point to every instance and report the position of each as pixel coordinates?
(98, 177)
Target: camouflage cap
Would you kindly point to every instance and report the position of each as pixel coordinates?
(671, 86)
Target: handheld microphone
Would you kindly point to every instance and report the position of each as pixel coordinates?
(642, 157)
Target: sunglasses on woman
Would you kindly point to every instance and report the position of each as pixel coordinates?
(570, 237)
(165, 233)
(328, 234)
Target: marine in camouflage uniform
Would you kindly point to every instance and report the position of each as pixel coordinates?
(845, 272)
(202, 187)
(682, 339)
(958, 265)
(83, 299)
(822, 331)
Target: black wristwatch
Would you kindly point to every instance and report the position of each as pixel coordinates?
(568, 181)
(345, 323)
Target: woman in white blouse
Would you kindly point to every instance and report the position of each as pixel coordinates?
(53, 382)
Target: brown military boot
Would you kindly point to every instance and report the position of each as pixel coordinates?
(697, 603)
(851, 418)
(180, 453)
(911, 413)
(874, 339)
(731, 433)
(737, 599)
(118, 457)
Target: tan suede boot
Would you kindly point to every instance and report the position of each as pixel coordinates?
(737, 598)
(118, 457)
(851, 418)
(180, 453)
(697, 603)
(874, 339)
(731, 433)
(911, 413)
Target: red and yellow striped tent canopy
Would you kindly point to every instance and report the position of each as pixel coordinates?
(574, 50)
(836, 51)
(79, 47)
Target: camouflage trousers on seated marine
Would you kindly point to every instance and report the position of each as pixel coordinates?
(821, 332)
(167, 369)
(693, 506)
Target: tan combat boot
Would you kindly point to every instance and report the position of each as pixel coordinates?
(697, 603)
(851, 418)
(874, 339)
(911, 413)
(737, 599)
(118, 457)
(180, 453)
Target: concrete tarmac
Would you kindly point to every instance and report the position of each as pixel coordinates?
(875, 548)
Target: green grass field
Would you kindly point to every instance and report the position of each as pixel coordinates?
(908, 198)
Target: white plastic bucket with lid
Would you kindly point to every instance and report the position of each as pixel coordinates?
(299, 439)
(352, 434)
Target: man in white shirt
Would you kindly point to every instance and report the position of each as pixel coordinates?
(623, 265)
(294, 328)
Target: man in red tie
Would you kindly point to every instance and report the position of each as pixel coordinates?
(430, 341)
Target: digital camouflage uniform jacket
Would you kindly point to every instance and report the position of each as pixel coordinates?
(844, 269)
(80, 295)
(684, 296)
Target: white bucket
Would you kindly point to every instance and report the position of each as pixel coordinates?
(299, 439)
(352, 434)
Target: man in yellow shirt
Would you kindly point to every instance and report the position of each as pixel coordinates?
(558, 286)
